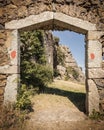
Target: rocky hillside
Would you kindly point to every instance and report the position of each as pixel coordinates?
(60, 58)
(65, 64)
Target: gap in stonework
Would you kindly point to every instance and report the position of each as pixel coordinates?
(52, 69)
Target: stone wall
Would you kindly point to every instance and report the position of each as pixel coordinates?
(4, 60)
(89, 10)
(3, 80)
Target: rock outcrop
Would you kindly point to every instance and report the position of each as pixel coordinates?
(65, 64)
(61, 60)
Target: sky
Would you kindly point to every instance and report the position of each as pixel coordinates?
(76, 43)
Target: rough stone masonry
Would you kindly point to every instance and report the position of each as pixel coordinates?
(81, 16)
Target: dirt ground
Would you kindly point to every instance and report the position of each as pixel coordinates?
(57, 110)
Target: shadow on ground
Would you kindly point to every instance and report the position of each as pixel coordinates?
(77, 98)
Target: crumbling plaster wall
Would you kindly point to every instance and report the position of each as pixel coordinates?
(89, 10)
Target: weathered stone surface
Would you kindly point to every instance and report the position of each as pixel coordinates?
(2, 77)
(93, 97)
(94, 53)
(22, 11)
(9, 70)
(96, 73)
(4, 60)
(94, 35)
(94, 14)
(80, 25)
(68, 66)
(1, 91)
(62, 71)
(99, 82)
(29, 21)
(3, 80)
(13, 48)
(75, 24)
(59, 1)
(22, 2)
(11, 88)
(91, 11)
(102, 40)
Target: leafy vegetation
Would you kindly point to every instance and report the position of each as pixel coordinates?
(34, 71)
(70, 70)
(97, 115)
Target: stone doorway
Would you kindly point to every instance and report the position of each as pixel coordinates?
(55, 21)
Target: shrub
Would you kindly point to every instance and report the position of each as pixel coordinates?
(34, 71)
(97, 115)
(23, 101)
(72, 71)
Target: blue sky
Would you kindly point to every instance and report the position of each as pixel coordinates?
(76, 44)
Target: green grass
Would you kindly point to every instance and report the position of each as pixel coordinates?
(73, 91)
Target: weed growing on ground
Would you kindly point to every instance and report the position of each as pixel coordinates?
(97, 115)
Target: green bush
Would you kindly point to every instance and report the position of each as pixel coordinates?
(34, 71)
(97, 115)
(72, 71)
(23, 101)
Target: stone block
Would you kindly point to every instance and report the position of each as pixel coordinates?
(94, 54)
(94, 35)
(12, 45)
(72, 23)
(9, 39)
(22, 11)
(9, 69)
(99, 83)
(96, 73)
(32, 20)
(2, 35)
(1, 91)
(2, 76)
(10, 93)
(23, 2)
(3, 82)
(92, 97)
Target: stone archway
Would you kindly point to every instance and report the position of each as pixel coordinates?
(52, 20)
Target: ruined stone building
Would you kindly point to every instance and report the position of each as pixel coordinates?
(85, 17)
